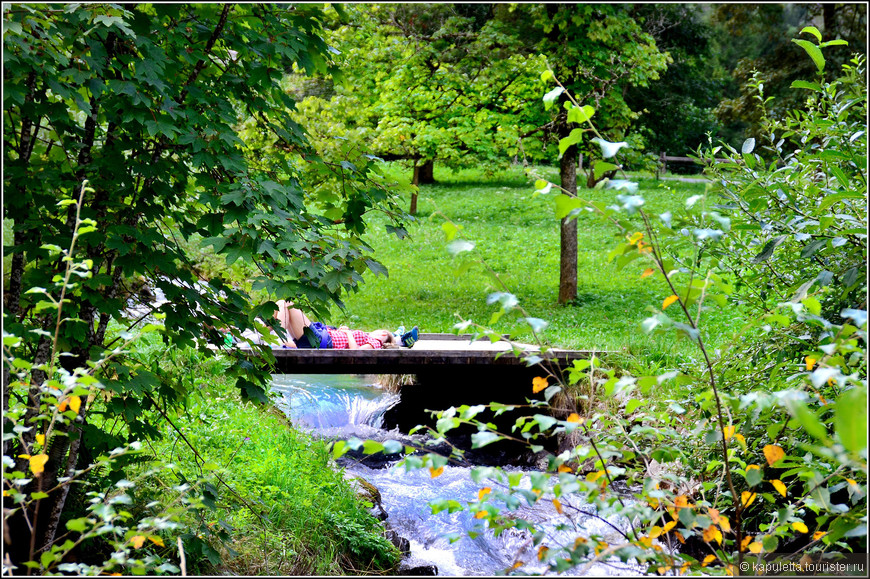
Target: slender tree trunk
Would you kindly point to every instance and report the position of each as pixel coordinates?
(568, 231)
(423, 175)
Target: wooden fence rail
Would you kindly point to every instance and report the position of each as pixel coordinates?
(664, 158)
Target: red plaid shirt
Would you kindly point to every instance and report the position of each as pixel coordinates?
(340, 341)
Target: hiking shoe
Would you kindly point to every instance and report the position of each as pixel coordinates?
(409, 338)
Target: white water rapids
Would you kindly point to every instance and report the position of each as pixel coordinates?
(342, 406)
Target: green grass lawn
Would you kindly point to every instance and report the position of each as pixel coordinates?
(518, 237)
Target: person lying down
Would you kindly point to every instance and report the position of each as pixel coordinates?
(308, 334)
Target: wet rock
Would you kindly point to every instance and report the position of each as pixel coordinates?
(400, 542)
(418, 570)
(369, 493)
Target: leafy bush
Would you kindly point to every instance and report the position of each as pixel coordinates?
(756, 447)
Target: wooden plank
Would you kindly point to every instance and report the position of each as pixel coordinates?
(407, 360)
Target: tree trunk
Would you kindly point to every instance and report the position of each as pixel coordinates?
(568, 231)
(423, 175)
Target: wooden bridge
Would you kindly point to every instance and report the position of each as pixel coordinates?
(432, 352)
(449, 370)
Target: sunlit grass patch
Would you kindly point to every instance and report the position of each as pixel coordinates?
(517, 235)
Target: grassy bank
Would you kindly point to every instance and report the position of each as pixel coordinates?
(275, 506)
(518, 237)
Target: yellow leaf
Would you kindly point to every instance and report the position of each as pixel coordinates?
(655, 532)
(668, 301)
(480, 515)
(436, 472)
(37, 463)
(63, 404)
(669, 526)
(483, 492)
(714, 515)
(558, 506)
(712, 533)
(156, 540)
(818, 535)
(741, 439)
(539, 383)
(564, 468)
(745, 542)
(40, 439)
(810, 362)
(681, 501)
(779, 486)
(707, 560)
(731, 570)
(644, 541)
(542, 552)
(753, 466)
(636, 237)
(517, 565)
(773, 453)
(23, 456)
(680, 538)
(138, 541)
(746, 498)
(580, 541)
(575, 418)
(756, 547)
(854, 483)
(653, 502)
(647, 272)
(724, 524)
(75, 403)
(728, 432)
(664, 570)
(799, 526)
(594, 476)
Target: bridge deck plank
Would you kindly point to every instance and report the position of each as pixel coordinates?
(431, 352)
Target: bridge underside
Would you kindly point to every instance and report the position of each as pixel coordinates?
(449, 370)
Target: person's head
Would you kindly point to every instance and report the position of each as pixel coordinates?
(385, 337)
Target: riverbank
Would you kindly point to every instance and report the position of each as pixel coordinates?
(274, 504)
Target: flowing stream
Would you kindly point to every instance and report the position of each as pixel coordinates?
(342, 406)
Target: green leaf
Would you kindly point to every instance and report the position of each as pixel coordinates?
(814, 86)
(393, 447)
(580, 115)
(77, 525)
(813, 51)
(372, 446)
(546, 75)
(574, 137)
(481, 439)
(601, 167)
(767, 251)
(754, 476)
(551, 97)
(812, 30)
(812, 305)
(566, 204)
(458, 246)
(812, 248)
(850, 419)
(807, 418)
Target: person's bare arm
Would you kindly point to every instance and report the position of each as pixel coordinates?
(351, 342)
